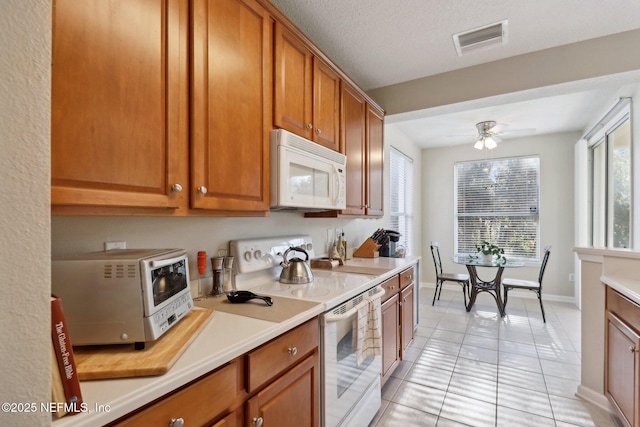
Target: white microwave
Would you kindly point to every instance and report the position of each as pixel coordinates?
(304, 175)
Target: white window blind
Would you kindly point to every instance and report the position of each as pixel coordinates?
(497, 200)
(402, 197)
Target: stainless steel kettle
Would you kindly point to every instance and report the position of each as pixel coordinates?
(295, 270)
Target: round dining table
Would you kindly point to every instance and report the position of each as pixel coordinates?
(493, 286)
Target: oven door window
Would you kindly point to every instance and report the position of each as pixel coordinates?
(348, 370)
(168, 281)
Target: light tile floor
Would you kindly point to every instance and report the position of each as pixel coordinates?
(477, 369)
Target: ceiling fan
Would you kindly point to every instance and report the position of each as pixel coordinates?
(488, 132)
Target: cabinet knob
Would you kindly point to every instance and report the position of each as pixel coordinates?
(176, 422)
(309, 126)
(293, 351)
(258, 421)
(176, 188)
(202, 190)
(318, 131)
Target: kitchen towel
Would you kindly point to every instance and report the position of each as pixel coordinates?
(368, 331)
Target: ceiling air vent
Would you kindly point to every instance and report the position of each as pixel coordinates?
(479, 38)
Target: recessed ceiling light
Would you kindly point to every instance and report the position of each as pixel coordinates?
(479, 38)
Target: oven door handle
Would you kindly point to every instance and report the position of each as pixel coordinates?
(346, 315)
(166, 261)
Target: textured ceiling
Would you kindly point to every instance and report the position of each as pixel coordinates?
(383, 42)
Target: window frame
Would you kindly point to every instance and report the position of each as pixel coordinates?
(527, 260)
(406, 238)
(600, 140)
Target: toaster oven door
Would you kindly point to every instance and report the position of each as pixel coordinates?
(166, 277)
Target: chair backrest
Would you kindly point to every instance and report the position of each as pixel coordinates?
(547, 252)
(435, 253)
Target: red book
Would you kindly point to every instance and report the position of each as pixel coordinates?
(64, 355)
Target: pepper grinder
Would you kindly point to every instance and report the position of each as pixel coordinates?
(217, 265)
(229, 283)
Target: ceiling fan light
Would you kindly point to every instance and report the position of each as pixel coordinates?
(490, 143)
(479, 144)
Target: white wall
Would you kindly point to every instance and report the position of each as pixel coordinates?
(556, 204)
(71, 235)
(25, 31)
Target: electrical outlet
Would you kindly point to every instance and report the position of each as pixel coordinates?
(115, 245)
(572, 277)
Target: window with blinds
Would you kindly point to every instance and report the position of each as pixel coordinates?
(497, 200)
(401, 169)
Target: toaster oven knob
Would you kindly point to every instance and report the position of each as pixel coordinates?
(258, 421)
(176, 422)
(124, 337)
(176, 188)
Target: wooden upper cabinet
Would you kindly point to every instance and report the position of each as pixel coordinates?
(231, 86)
(293, 89)
(118, 108)
(375, 162)
(326, 105)
(353, 110)
(307, 91)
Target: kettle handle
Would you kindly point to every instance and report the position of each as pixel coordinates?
(295, 249)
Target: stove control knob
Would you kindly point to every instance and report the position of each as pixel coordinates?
(247, 256)
(257, 254)
(309, 246)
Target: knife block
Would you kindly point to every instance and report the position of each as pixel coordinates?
(368, 249)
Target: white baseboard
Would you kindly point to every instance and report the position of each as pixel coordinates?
(591, 396)
(522, 294)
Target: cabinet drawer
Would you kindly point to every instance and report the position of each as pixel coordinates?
(391, 287)
(198, 403)
(406, 277)
(623, 308)
(283, 352)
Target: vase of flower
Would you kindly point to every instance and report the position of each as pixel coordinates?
(487, 251)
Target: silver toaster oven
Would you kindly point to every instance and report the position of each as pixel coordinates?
(123, 295)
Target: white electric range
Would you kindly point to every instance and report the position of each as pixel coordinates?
(351, 393)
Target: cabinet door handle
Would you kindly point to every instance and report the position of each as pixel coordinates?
(318, 131)
(176, 422)
(309, 126)
(202, 190)
(258, 421)
(293, 351)
(176, 188)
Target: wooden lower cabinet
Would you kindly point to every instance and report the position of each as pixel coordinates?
(234, 419)
(406, 317)
(291, 400)
(398, 315)
(622, 360)
(390, 336)
(276, 384)
(197, 404)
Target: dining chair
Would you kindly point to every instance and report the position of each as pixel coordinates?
(530, 285)
(441, 277)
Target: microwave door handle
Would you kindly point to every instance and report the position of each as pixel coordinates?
(168, 261)
(336, 181)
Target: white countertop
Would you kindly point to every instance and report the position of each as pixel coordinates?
(224, 338)
(620, 268)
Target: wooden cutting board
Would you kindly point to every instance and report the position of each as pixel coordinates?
(122, 360)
